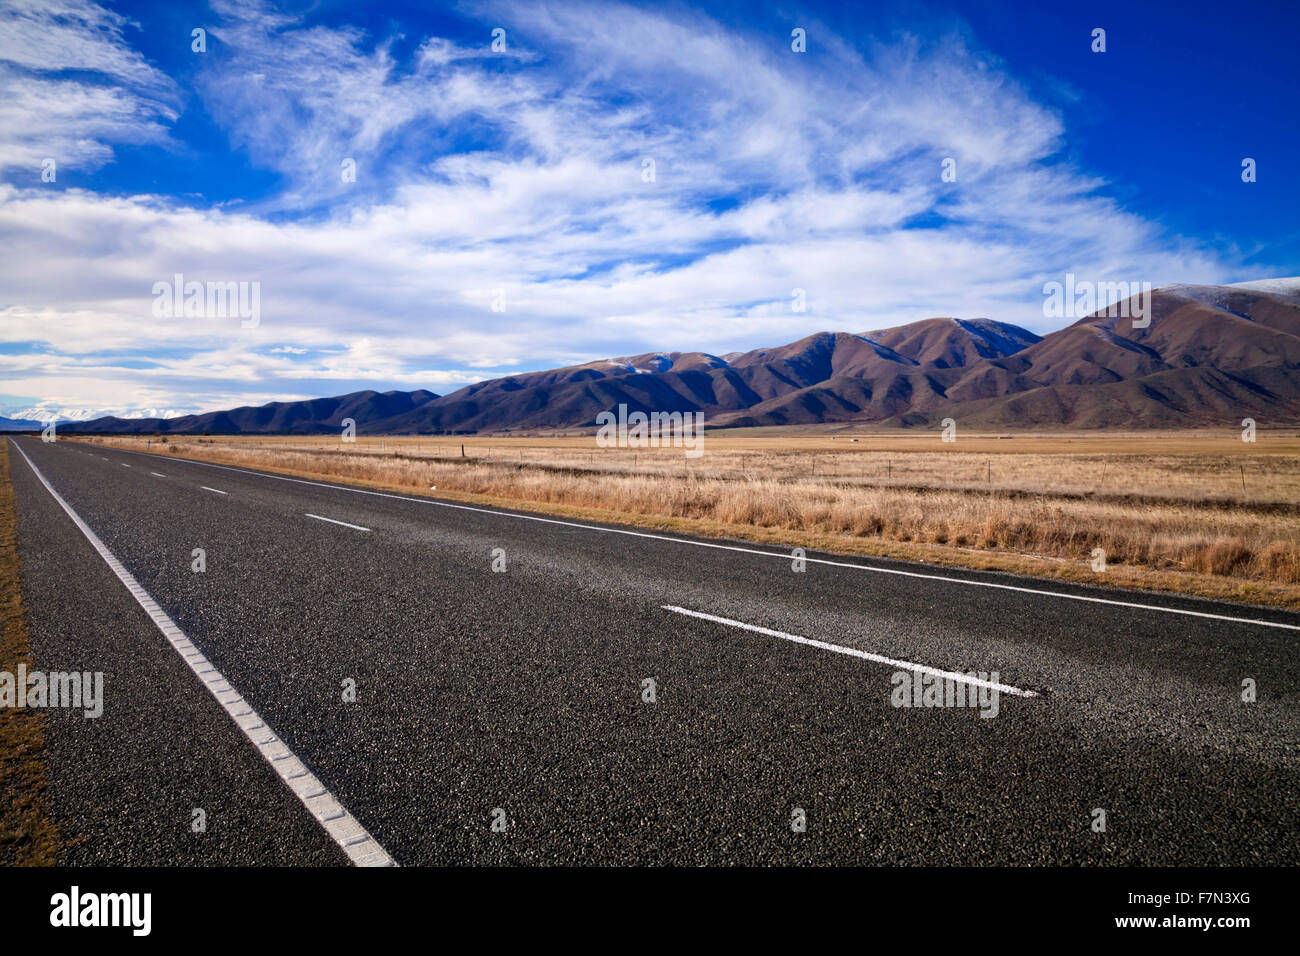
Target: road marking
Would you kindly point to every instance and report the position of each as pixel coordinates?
(157, 474)
(124, 464)
(781, 556)
(214, 490)
(361, 848)
(854, 652)
(344, 523)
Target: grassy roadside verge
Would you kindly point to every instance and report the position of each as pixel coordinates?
(414, 478)
(27, 834)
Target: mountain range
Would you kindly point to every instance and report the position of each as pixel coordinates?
(1210, 355)
(19, 424)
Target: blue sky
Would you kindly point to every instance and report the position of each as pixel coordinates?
(502, 218)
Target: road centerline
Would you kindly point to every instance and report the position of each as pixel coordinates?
(956, 676)
(782, 556)
(335, 521)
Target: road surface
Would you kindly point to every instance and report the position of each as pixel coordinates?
(500, 716)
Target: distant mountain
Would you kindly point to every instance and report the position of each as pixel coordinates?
(19, 424)
(1211, 354)
(293, 418)
(73, 414)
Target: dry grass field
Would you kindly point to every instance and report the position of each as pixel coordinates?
(1197, 512)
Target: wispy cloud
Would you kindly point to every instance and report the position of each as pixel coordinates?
(71, 87)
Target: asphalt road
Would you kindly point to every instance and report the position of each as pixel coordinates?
(522, 690)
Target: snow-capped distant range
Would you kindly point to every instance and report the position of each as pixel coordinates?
(38, 416)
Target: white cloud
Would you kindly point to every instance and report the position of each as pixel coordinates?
(822, 162)
(74, 121)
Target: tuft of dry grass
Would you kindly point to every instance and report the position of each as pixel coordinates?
(27, 834)
(1176, 516)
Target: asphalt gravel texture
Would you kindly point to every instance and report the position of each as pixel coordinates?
(521, 691)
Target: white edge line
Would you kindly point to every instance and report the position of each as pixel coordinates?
(854, 652)
(344, 523)
(217, 491)
(783, 556)
(362, 849)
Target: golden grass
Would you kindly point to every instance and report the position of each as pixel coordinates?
(27, 835)
(1194, 512)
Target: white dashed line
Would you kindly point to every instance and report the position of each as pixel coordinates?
(854, 652)
(157, 474)
(361, 848)
(780, 556)
(344, 523)
(217, 491)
